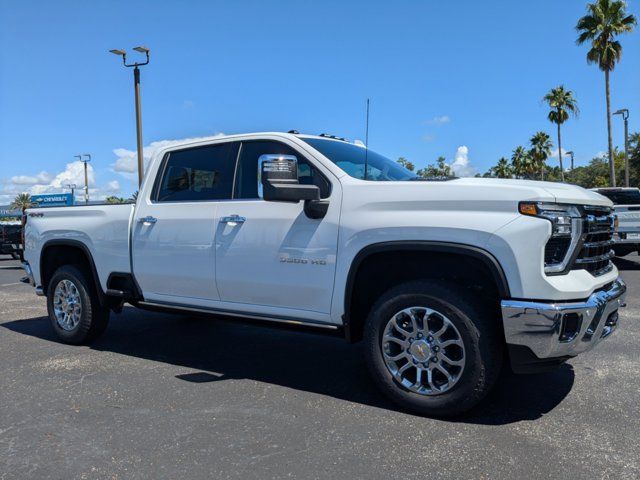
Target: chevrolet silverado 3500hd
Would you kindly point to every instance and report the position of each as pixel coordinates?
(442, 280)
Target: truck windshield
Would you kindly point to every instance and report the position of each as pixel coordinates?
(622, 197)
(351, 159)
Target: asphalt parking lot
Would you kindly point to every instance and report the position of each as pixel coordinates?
(164, 396)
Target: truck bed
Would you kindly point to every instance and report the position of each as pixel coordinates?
(103, 230)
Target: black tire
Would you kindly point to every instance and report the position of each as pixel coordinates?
(94, 317)
(478, 329)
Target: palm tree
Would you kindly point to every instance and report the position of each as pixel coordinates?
(134, 196)
(604, 21)
(502, 169)
(540, 150)
(406, 164)
(22, 202)
(563, 104)
(521, 162)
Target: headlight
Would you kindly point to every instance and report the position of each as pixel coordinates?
(566, 230)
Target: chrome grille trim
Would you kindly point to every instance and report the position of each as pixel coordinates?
(594, 252)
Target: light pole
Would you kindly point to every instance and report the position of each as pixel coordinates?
(136, 86)
(625, 116)
(571, 153)
(72, 187)
(86, 177)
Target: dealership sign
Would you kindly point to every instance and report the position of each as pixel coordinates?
(53, 199)
(7, 211)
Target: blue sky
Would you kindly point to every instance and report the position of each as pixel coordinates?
(440, 75)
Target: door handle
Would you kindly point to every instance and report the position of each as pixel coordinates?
(148, 220)
(233, 220)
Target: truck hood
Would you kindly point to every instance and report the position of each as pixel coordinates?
(561, 192)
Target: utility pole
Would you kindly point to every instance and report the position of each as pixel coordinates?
(571, 153)
(366, 144)
(72, 187)
(625, 116)
(86, 176)
(136, 87)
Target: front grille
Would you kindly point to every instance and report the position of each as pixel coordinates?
(595, 250)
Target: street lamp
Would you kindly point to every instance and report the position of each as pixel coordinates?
(625, 116)
(570, 153)
(86, 177)
(72, 187)
(136, 86)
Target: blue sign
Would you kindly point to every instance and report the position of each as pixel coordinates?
(6, 211)
(53, 199)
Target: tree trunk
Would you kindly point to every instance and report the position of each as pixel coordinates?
(612, 168)
(560, 154)
(23, 222)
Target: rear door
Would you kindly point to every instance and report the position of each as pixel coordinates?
(174, 227)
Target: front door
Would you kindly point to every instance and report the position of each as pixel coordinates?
(174, 227)
(270, 254)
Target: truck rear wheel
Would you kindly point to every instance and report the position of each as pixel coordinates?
(432, 348)
(74, 307)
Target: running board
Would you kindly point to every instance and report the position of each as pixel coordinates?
(285, 322)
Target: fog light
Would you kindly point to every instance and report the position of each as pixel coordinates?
(570, 326)
(612, 320)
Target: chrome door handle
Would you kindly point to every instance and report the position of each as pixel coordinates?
(147, 220)
(233, 220)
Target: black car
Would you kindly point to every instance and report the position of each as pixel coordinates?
(11, 240)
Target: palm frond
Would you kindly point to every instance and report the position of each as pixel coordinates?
(605, 20)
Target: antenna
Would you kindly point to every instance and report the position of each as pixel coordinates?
(366, 144)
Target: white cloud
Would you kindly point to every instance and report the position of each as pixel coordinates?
(113, 186)
(126, 163)
(554, 153)
(461, 165)
(42, 177)
(74, 173)
(439, 120)
(428, 137)
(360, 143)
(46, 183)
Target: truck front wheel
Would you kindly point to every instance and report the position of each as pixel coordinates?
(432, 348)
(74, 307)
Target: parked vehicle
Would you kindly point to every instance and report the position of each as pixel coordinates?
(11, 240)
(440, 279)
(626, 205)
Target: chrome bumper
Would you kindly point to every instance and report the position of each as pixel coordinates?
(555, 330)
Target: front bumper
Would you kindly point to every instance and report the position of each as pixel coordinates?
(547, 333)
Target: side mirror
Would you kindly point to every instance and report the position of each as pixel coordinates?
(279, 178)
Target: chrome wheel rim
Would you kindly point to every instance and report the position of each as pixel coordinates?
(67, 306)
(423, 350)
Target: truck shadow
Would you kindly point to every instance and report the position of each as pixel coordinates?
(626, 263)
(222, 350)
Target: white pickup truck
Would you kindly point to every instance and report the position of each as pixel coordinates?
(444, 280)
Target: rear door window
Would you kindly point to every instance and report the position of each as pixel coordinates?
(198, 174)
